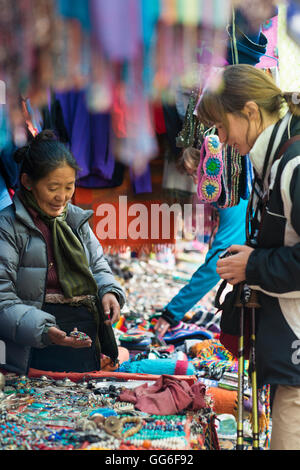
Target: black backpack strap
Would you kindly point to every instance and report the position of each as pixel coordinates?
(286, 145)
(219, 293)
(269, 149)
(251, 227)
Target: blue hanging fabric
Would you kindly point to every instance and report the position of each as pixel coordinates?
(150, 13)
(9, 170)
(251, 44)
(75, 9)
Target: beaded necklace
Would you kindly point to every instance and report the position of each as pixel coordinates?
(44, 414)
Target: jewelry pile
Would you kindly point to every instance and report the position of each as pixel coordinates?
(46, 414)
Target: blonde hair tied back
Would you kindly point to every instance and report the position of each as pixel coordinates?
(242, 83)
(292, 99)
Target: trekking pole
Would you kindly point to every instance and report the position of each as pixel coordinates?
(241, 360)
(253, 304)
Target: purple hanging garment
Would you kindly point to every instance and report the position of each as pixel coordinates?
(89, 136)
(116, 25)
(142, 183)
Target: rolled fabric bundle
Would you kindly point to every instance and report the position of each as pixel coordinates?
(159, 366)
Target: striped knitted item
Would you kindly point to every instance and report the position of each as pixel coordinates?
(206, 318)
(183, 331)
(231, 178)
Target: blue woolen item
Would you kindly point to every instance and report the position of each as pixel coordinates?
(154, 366)
(177, 337)
(249, 52)
(104, 412)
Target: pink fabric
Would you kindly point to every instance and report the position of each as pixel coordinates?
(198, 390)
(270, 30)
(181, 367)
(166, 396)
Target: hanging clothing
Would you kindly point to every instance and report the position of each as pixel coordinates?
(52, 118)
(75, 9)
(90, 142)
(9, 169)
(173, 124)
(116, 26)
(251, 44)
(89, 136)
(5, 199)
(270, 30)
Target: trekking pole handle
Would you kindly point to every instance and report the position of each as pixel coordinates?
(252, 302)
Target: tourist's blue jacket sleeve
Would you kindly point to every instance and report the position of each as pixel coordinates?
(231, 231)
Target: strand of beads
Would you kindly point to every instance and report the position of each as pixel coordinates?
(165, 432)
(169, 443)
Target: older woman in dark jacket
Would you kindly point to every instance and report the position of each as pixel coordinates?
(54, 278)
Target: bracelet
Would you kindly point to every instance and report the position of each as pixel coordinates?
(114, 426)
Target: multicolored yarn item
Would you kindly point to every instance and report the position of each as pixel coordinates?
(233, 180)
(139, 341)
(179, 333)
(121, 324)
(210, 170)
(263, 423)
(266, 394)
(212, 352)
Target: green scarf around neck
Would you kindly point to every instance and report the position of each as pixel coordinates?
(73, 271)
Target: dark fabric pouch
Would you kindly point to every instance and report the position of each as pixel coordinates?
(230, 320)
(106, 335)
(64, 359)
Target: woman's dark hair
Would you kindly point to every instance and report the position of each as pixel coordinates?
(43, 155)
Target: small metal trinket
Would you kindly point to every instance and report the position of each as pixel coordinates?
(2, 381)
(78, 335)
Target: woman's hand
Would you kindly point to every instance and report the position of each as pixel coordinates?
(60, 338)
(233, 268)
(111, 308)
(162, 326)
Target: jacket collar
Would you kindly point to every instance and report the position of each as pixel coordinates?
(258, 152)
(75, 217)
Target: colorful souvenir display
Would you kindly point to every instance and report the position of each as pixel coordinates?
(97, 413)
(44, 414)
(210, 170)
